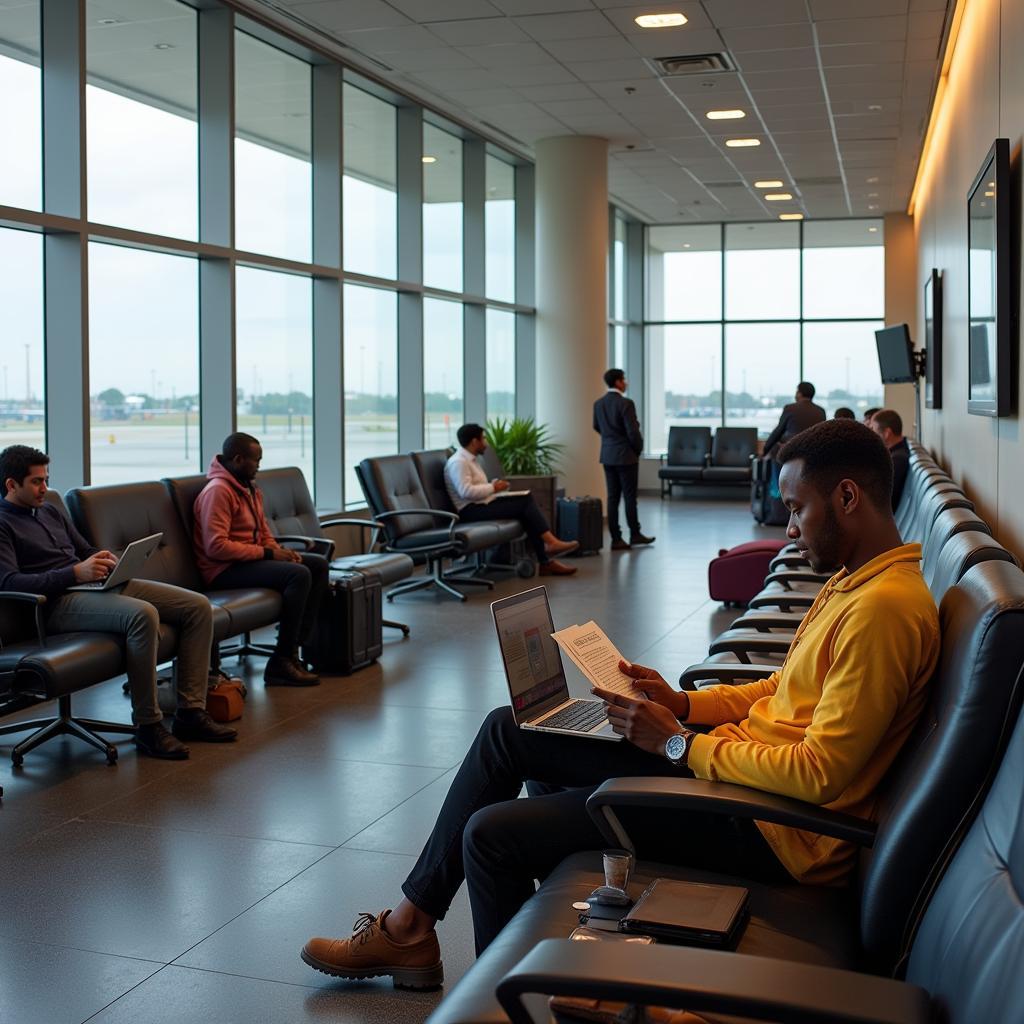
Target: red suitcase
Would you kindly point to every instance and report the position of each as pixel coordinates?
(738, 573)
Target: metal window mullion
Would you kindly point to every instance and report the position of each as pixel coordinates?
(721, 326)
(526, 336)
(635, 355)
(474, 278)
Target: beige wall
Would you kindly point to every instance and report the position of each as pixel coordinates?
(901, 302)
(984, 99)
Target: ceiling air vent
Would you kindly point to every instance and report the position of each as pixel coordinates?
(693, 64)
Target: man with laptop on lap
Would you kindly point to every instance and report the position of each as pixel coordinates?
(41, 552)
(823, 728)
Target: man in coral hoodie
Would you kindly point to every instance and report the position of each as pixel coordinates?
(235, 549)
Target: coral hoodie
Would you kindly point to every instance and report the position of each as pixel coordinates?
(229, 523)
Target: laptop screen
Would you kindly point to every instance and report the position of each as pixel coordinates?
(533, 665)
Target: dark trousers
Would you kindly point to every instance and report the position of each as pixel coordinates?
(500, 844)
(622, 482)
(521, 507)
(302, 586)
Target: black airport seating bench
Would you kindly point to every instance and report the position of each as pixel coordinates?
(693, 457)
(937, 872)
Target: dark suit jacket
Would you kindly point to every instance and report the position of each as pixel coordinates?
(615, 420)
(900, 468)
(795, 417)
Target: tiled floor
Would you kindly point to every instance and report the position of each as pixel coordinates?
(177, 892)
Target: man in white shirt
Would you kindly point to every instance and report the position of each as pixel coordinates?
(468, 488)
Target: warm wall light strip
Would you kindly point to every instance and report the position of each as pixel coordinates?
(767, 184)
(660, 20)
(429, 159)
(724, 115)
(940, 93)
(741, 143)
(791, 216)
(778, 197)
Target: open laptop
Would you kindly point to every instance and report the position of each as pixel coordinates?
(533, 669)
(129, 565)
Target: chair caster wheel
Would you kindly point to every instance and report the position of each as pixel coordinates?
(406, 631)
(111, 755)
(525, 568)
(389, 597)
(17, 759)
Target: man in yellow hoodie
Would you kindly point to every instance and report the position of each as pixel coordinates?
(824, 728)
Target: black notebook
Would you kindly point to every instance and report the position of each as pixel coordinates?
(690, 913)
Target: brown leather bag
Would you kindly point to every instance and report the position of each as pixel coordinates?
(225, 701)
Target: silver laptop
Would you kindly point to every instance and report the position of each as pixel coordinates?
(129, 565)
(533, 668)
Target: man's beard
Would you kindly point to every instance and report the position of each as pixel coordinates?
(826, 557)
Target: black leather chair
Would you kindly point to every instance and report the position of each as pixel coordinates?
(689, 449)
(293, 520)
(543, 488)
(924, 806)
(37, 666)
(732, 450)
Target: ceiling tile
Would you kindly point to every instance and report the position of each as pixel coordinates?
(862, 53)
(923, 49)
(677, 43)
(507, 55)
(623, 18)
(704, 85)
(478, 31)
(484, 97)
(878, 92)
(607, 71)
(645, 90)
(795, 78)
(860, 73)
(469, 79)
(772, 99)
(531, 74)
(825, 10)
(563, 91)
(582, 25)
(768, 37)
(434, 58)
(745, 13)
(352, 14)
(925, 24)
(514, 8)
(445, 10)
(600, 48)
(777, 60)
(379, 40)
(862, 30)
(569, 108)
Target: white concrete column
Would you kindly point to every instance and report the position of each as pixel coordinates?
(901, 290)
(572, 299)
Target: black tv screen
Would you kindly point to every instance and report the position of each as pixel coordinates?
(895, 358)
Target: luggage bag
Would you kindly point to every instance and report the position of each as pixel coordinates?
(765, 503)
(738, 573)
(348, 634)
(581, 519)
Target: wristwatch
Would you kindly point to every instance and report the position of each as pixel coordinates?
(678, 746)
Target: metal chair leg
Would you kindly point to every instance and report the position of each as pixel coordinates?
(396, 625)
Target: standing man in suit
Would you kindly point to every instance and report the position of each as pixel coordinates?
(796, 416)
(621, 444)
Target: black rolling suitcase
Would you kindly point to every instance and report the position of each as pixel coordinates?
(765, 504)
(348, 634)
(582, 519)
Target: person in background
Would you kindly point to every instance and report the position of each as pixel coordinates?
(235, 549)
(842, 413)
(868, 413)
(469, 491)
(621, 444)
(888, 425)
(797, 416)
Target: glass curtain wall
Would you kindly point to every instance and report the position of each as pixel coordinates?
(501, 364)
(737, 314)
(442, 372)
(23, 417)
(442, 209)
(500, 228)
(21, 114)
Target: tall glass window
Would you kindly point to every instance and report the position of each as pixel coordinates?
(842, 361)
(844, 269)
(22, 420)
(21, 174)
(273, 163)
(501, 364)
(371, 380)
(684, 377)
(142, 129)
(762, 271)
(274, 365)
(684, 273)
(442, 209)
(370, 186)
(619, 276)
(762, 368)
(442, 372)
(143, 364)
(500, 225)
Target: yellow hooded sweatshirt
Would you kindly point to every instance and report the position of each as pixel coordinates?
(826, 727)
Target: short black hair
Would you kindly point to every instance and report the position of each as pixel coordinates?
(868, 413)
(805, 388)
(889, 418)
(469, 432)
(843, 413)
(237, 444)
(843, 449)
(16, 462)
(613, 375)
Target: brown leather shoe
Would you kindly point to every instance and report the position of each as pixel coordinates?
(620, 545)
(561, 547)
(371, 953)
(554, 568)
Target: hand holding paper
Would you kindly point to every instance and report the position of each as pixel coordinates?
(596, 657)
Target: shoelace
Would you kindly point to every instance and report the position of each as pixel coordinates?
(363, 928)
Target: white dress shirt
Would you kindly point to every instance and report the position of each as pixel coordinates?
(465, 481)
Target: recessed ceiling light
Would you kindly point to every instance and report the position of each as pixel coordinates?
(872, 195)
(768, 184)
(109, 21)
(686, 245)
(742, 143)
(872, 181)
(429, 159)
(724, 115)
(791, 216)
(776, 197)
(163, 46)
(660, 20)
(874, 107)
(873, 230)
(872, 206)
(990, 195)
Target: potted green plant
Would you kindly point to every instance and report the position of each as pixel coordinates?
(523, 446)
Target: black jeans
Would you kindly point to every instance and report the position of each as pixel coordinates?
(500, 844)
(622, 482)
(302, 587)
(521, 507)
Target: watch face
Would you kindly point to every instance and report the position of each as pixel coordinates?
(675, 747)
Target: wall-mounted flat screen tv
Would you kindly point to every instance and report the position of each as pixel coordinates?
(989, 308)
(933, 340)
(895, 355)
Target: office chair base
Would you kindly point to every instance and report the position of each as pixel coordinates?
(85, 729)
(396, 625)
(244, 647)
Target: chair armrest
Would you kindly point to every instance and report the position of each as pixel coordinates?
(708, 980)
(365, 524)
(437, 513)
(763, 621)
(38, 600)
(669, 793)
(789, 576)
(744, 647)
(786, 600)
(663, 458)
(788, 560)
(724, 674)
(318, 545)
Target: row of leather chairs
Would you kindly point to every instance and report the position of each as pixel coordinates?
(935, 898)
(693, 457)
(36, 667)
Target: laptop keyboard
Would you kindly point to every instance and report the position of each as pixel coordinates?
(579, 716)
